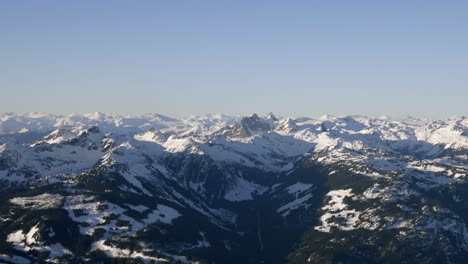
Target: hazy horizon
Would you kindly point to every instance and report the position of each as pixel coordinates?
(260, 114)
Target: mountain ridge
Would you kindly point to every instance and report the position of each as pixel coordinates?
(224, 189)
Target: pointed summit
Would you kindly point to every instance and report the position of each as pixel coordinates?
(271, 116)
(253, 116)
(249, 126)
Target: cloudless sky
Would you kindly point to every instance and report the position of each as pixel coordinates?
(179, 58)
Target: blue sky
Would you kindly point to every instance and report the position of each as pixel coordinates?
(298, 58)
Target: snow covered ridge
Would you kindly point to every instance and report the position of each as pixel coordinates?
(40, 122)
(54, 148)
(210, 123)
(354, 131)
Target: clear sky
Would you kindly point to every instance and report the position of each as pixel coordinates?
(179, 58)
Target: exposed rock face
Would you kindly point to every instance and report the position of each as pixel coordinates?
(250, 126)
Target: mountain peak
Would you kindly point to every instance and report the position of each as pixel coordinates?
(253, 116)
(271, 116)
(286, 125)
(250, 126)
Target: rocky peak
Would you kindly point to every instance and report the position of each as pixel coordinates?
(271, 116)
(249, 126)
(286, 125)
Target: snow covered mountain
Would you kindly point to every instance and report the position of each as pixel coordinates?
(221, 189)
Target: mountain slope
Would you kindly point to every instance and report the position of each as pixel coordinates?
(220, 189)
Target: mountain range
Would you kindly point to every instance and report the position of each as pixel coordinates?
(108, 188)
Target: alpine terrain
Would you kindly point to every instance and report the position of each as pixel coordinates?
(106, 188)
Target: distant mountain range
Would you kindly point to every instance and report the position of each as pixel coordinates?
(106, 188)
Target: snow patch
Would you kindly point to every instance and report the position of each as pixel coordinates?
(43, 201)
(336, 214)
(298, 187)
(162, 214)
(244, 190)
